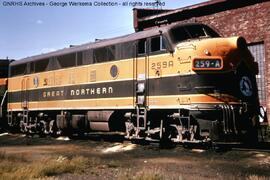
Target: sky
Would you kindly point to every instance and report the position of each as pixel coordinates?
(27, 30)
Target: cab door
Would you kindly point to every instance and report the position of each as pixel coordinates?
(141, 73)
(141, 84)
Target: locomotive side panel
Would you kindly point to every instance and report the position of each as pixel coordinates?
(68, 88)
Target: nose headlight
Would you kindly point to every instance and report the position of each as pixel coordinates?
(206, 52)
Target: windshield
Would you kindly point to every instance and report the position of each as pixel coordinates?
(182, 33)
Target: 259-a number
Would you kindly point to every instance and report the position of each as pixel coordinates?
(162, 65)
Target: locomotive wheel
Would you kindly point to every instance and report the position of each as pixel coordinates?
(53, 128)
(41, 130)
(166, 134)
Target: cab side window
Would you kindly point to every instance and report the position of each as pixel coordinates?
(157, 43)
(67, 60)
(142, 48)
(104, 54)
(17, 70)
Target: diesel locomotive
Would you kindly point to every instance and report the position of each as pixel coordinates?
(179, 82)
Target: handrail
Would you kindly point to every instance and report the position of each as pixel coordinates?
(2, 103)
(4, 97)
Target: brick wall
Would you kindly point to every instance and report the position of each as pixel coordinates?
(251, 22)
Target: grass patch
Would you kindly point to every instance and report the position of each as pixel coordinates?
(43, 168)
(151, 174)
(62, 165)
(255, 177)
(13, 158)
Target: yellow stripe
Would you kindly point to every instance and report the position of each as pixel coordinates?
(38, 88)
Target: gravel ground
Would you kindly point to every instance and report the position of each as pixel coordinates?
(112, 158)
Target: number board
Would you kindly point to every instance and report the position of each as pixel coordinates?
(207, 64)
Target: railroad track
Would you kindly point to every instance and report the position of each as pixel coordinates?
(261, 147)
(217, 146)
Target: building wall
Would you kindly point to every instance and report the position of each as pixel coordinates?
(251, 22)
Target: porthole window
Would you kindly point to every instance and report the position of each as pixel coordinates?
(114, 71)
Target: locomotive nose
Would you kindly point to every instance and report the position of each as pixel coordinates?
(235, 50)
(237, 43)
